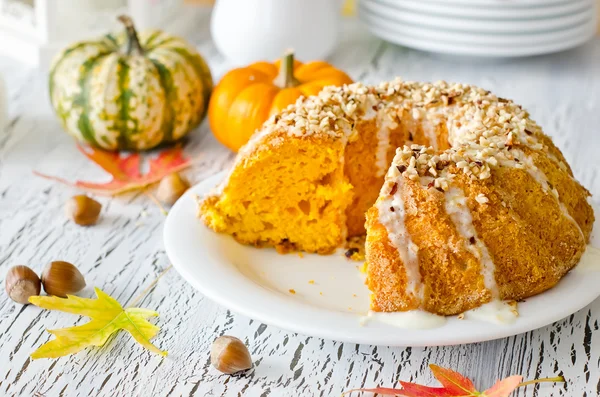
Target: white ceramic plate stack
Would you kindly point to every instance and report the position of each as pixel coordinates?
(482, 28)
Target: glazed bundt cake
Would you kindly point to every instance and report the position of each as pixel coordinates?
(477, 204)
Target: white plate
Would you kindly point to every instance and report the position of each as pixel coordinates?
(256, 283)
(482, 39)
(500, 4)
(494, 13)
(476, 25)
(481, 51)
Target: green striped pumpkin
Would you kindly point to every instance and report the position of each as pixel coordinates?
(130, 92)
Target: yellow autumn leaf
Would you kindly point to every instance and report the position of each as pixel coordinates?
(108, 317)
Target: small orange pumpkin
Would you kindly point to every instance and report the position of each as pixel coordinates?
(246, 97)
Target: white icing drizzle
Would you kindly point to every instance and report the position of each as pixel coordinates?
(541, 178)
(394, 222)
(495, 312)
(456, 207)
(385, 123)
(429, 130)
(549, 154)
(420, 117)
(558, 162)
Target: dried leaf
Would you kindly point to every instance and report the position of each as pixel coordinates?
(125, 170)
(504, 387)
(378, 390)
(414, 390)
(108, 317)
(454, 385)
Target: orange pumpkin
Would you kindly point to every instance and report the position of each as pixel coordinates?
(246, 97)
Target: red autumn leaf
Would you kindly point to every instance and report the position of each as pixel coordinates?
(454, 385)
(378, 390)
(125, 170)
(453, 382)
(504, 387)
(414, 390)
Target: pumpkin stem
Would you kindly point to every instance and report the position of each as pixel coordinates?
(133, 41)
(286, 77)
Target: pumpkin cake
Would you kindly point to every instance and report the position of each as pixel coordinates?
(478, 204)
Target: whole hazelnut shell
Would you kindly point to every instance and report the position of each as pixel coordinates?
(229, 355)
(83, 210)
(60, 278)
(21, 283)
(171, 187)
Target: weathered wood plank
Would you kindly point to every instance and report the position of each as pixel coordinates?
(124, 253)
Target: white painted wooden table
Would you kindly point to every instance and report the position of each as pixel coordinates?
(123, 254)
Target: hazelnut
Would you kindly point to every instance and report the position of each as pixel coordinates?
(229, 355)
(61, 278)
(171, 187)
(21, 283)
(83, 210)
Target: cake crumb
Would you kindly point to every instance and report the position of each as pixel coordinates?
(301, 254)
(311, 281)
(514, 310)
(320, 293)
(292, 291)
(354, 295)
(461, 316)
(363, 268)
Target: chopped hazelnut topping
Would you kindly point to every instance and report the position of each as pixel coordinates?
(481, 198)
(481, 126)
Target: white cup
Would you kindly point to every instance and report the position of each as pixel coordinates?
(246, 31)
